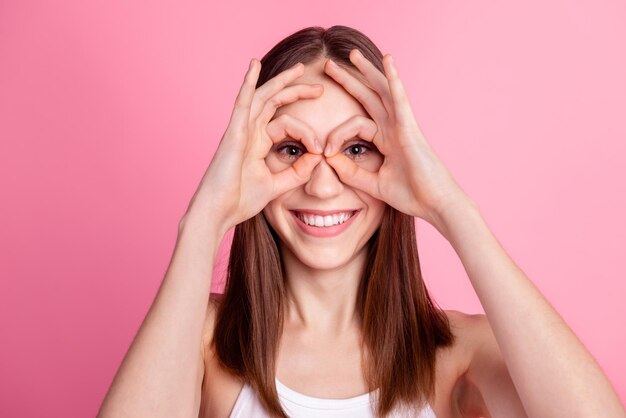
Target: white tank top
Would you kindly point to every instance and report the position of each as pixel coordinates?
(297, 405)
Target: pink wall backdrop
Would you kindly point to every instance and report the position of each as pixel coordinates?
(110, 112)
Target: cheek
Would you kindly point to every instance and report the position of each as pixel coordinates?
(268, 212)
(374, 206)
(379, 208)
(371, 163)
(273, 213)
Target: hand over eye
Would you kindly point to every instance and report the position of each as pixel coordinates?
(354, 148)
(238, 184)
(411, 177)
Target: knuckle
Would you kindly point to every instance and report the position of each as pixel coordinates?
(270, 129)
(274, 102)
(361, 120)
(276, 84)
(285, 119)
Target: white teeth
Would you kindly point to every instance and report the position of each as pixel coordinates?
(324, 221)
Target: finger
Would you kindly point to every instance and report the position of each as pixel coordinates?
(355, 176)
(288, 95)
(296, 174)
(370, 100)
(357, 126)
(273, 86)
(288, 126)
(241, 111)
(402, 106)
(374, 76)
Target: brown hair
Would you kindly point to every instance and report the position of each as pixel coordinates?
(401, 325)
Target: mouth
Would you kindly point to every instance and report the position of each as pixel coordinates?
(324, 219)
(324, 224)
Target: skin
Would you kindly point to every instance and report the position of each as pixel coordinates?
(520, 359)
(320, 347)
(323, 273)
(493, 369)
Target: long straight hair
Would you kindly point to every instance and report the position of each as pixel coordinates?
(401, 326)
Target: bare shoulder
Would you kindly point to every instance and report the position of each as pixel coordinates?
(476, 335)
(462, 318)
(470, 328)
(471, 332)
(453, 360)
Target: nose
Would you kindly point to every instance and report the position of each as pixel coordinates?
(324, 182)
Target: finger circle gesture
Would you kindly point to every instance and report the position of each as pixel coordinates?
(411, 178)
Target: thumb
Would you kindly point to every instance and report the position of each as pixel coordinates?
(299, 173)
(354, 176)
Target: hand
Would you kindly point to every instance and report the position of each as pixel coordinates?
(411, 178)
(238, 184)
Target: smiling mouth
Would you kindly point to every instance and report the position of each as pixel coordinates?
(324, 221)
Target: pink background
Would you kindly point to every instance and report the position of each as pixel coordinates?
(110, 112)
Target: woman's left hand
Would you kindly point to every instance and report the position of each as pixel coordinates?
(411, 178)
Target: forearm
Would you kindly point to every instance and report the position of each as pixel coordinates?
(158, 375)
(554, 374)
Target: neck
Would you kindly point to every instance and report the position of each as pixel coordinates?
(322, 300)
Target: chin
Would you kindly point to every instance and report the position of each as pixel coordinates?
(323, 259)
(325, 263)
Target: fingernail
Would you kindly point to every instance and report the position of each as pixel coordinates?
(327, 151)
(318, 146)
(332, 63)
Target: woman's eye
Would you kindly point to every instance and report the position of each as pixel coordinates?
(358, 150)
(290, 151)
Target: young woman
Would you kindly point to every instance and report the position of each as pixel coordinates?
(321, 171)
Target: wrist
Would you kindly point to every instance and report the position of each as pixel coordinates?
(202, 224)
(453, 212)
(203, 213)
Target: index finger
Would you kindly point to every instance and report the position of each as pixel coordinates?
(273, 86)
(288, 126)
(355, 176)
(357, 126)
(374, 76)
(241, 111)
(369, 98)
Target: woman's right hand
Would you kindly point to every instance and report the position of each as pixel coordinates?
(237, 183)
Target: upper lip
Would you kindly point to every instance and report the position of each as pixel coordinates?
(324, 212)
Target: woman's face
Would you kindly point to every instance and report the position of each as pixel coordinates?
(324, 199)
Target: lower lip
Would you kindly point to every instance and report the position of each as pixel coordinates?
(325, 231)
